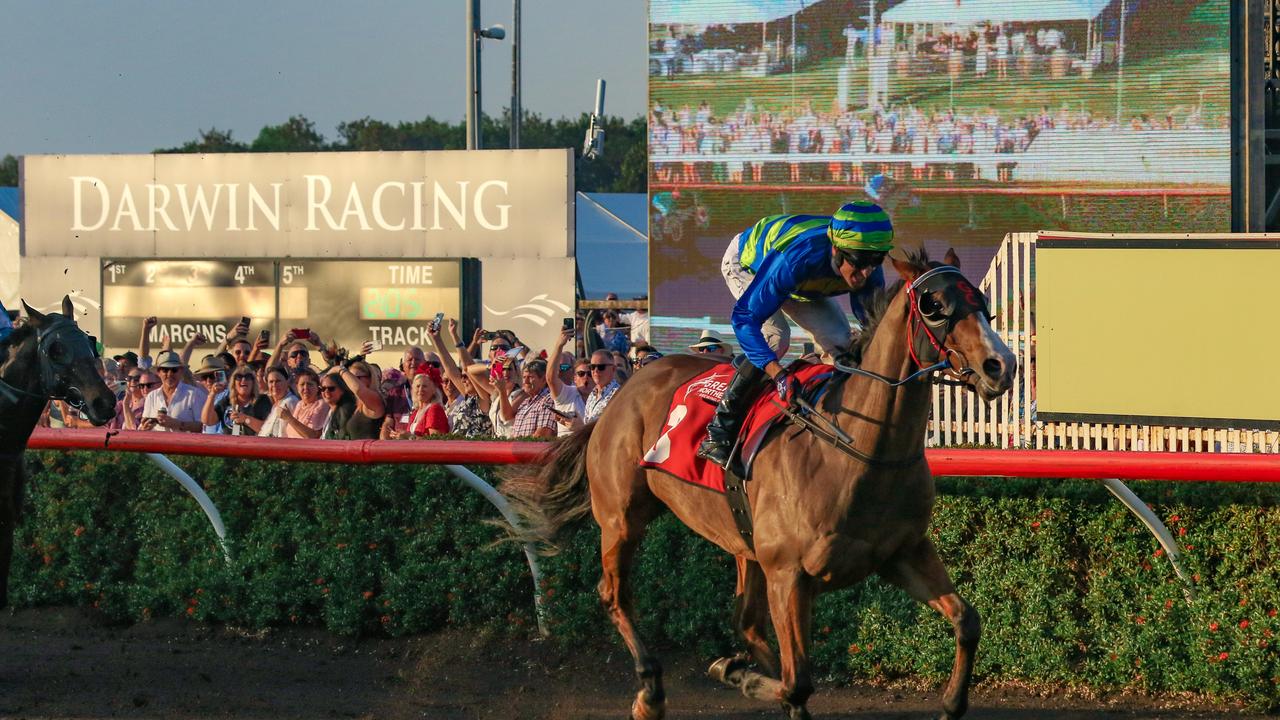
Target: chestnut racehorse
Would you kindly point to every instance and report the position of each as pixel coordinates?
(824, 516)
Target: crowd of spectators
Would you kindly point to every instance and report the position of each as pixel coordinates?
(899, 129)
(489, 385)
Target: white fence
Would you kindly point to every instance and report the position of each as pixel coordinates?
(960, 418)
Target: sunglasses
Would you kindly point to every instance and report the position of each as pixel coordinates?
(495, 348)
(168, 370)
(132, 379)
(328, 388)
(582, 373)
(148, 385)
(864, 258)
(565, 366)
(298, 353)
(601, 366)
(709, 349)
(244, 378)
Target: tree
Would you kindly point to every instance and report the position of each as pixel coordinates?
(212, 140)
(9, 171)
(297, 134)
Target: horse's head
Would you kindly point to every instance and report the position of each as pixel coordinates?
(948, 316)
(69, 363)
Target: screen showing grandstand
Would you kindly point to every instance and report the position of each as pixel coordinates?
(985, 118)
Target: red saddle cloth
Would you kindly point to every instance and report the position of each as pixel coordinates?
(692, 408)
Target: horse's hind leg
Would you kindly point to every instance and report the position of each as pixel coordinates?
(750, 618)
(619, 539)
(920, 572)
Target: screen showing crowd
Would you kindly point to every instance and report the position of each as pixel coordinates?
(1096, 115)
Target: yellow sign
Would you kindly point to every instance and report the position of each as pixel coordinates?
(1176, 330)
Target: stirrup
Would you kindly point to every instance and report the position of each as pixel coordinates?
(718, 453)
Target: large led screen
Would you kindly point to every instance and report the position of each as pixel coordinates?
(990, 117)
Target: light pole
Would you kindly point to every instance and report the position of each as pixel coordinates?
(516, 116)
(475, 34)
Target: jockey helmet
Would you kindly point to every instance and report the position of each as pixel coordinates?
(861, 225)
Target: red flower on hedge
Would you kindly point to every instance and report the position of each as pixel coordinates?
(1222, 656)
(79, 530)
(1140, 620)
(367, 594)
(1213, 627)
(1244, 624)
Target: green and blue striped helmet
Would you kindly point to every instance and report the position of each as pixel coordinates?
(861, 225)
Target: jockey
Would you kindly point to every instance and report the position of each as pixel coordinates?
(793, 265)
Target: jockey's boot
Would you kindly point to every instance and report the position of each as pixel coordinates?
(722, 432)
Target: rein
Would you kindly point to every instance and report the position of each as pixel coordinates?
(809, 418)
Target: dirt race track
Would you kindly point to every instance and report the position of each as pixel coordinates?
(64, 664)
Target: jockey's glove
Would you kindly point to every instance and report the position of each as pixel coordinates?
(783, 383)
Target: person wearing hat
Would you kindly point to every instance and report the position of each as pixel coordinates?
(175, 406)
(127, 362)
(212, 377)
(709, 344)
(792, 267)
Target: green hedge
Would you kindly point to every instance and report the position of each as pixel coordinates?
(1071, 588)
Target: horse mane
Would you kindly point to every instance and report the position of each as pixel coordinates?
(21, 332)
(878, 303)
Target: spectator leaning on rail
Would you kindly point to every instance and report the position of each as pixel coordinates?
(793, 265)
(428, 416)
(307, 417)
(175, 405)
(282, 401)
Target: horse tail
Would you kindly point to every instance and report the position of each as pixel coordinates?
(551, 495)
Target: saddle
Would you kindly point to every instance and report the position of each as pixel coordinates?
(692, 406)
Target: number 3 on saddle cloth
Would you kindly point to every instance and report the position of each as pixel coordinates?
(692, 408)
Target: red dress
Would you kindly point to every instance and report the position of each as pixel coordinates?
(427, 418)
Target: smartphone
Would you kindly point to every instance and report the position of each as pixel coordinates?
(565, 415)
(373, 345)
(300, 333)
(244, 320)
(435, 324)
(568, 324)
(487, 336)
(265, 335)
(808, 349)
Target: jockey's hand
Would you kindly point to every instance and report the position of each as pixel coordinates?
(783, 383)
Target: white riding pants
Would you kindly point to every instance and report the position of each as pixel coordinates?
(822, 317)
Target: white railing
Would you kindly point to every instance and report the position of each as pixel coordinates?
(959, 418)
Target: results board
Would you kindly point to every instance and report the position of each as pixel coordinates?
(349, 301)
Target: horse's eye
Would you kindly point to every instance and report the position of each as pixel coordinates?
(929, 306)
(57, 352)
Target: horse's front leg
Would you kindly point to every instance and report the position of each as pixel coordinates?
(920, 572)
(791, 594)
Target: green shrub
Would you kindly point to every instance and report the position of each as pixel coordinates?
(1071, 588)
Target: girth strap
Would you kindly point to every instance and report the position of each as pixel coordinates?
(735, 491)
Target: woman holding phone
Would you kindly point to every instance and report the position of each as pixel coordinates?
(307, 418)
(240, 411)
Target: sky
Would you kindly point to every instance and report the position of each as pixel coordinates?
(128, 76)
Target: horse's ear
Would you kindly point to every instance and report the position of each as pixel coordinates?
(35, 315)
(905, 268)
(68, 310)
(952, 258)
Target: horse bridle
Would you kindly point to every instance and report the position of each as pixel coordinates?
(53, 385)
(928, 328)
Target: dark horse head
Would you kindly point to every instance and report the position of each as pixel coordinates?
(948, 317)
(50, 357)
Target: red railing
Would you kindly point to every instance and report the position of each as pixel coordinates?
(1085, 464)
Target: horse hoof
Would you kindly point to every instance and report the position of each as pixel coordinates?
(796, 712)
(641, 710)
(728, 670)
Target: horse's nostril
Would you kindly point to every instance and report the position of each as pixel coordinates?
(993, 368)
